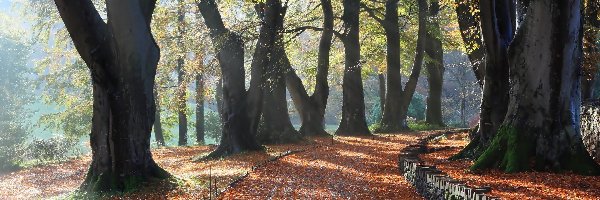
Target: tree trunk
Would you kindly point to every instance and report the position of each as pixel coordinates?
(200, 109)
(275, 126)
(591, 52)
(411, 84)
(158, 131)
(353, 104)
(219, 98)
(498, 32)
(239, 121)
(181, 90)
(123, 67)
(541, 128)
(468, 22)
(391, 121)
(396, 99)
(435, 67)
(312, 108)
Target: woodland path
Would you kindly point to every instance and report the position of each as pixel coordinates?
(350, 168)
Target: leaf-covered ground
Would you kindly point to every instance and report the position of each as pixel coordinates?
(350, 168)
(527, 185)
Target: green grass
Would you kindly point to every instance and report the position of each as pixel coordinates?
(422, 126)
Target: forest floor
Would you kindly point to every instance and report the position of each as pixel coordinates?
(525, 185)
(320, 168)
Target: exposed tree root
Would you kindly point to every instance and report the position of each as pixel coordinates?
(312, 130)
(227, 150)
(509, 151)
(109, 182)
(514, 150)
(473, 150)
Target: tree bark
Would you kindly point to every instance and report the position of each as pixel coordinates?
(312, 108)
(498, 31)
(158, 131)
(219, 98)
(239, 121)
(591, 56)
(353, 104)
(275, 126)
(411, 84)
(541, 128)
(123, 67)
(200, 109)
(181, 90)
(391, 121)
(397, 99)
(468, 22)
(435, 67)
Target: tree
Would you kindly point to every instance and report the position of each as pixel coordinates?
(123, 67)
(591, 52)
(14, 95)
(434, 66)
(199, 108)
(241, 109)
(158, 130)
(353, 107)
(182, 84)
(312, 108)
(275, 126)
(397, 99)
(497, 27)
(541, 127)
(62, 74)
(469, 24)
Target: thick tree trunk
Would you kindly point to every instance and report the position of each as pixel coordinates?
(468, 22)
(391, 117)
(591, 56)
(219, 98)
(158, 131)
(275, 126)
(312, 108)
(541, 128)
(200, 109)
(239, 121)
(521, 8)
(123, 67)
(353, 104)
(498, 31)
(181, 90)
(435, 67)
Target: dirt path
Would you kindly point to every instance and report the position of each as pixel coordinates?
(351, 168)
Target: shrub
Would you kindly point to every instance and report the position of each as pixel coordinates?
(422, 126)
(11, 145)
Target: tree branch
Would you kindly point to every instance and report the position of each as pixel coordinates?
(88, 32)
(301, 29)
(371, 12)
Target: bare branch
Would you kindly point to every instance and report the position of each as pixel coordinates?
(371, 12)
